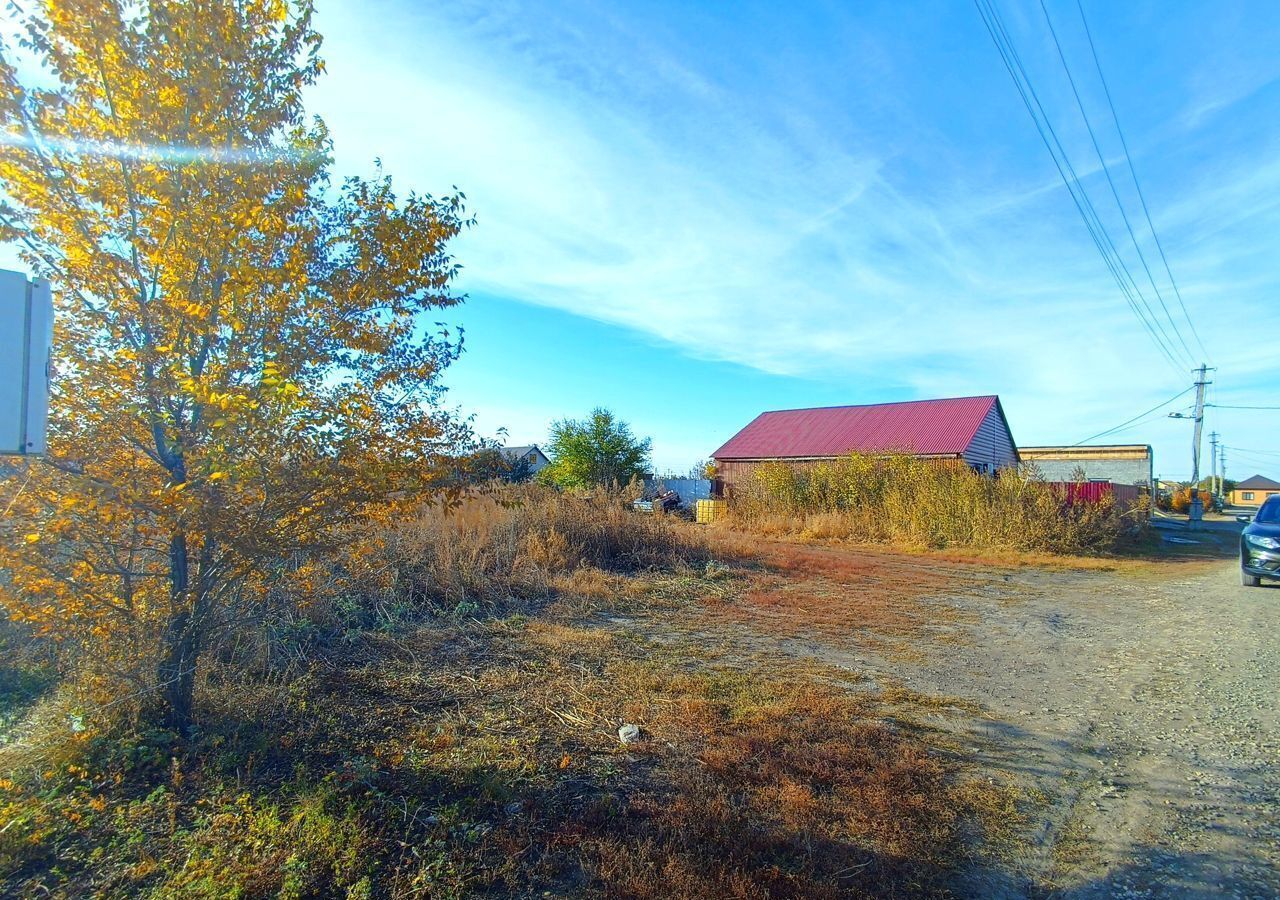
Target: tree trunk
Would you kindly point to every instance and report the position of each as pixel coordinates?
(177, 673)
(175, 678)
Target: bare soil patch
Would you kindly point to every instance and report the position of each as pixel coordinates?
(1133, 702)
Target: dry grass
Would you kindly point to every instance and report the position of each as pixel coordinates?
(1149, 556)
(799, 794)
(497, 769)
(911, 502)
(832, 596)
(745, 785)
(467, 744)
(840, 596)
(1074, 847)
(524, 543)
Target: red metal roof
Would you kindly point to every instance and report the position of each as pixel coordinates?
(924, 427)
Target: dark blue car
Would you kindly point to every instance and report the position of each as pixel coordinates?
(1260, 545)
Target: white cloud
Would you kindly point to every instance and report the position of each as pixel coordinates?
(618, 180)
(800, 215)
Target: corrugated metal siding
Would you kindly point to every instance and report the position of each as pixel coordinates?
(992, 445)
(730, 472)
(689, 489)
(1093, 491)
(920, 427)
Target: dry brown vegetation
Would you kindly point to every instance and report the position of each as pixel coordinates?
(919, 503)
(789, 589)
(519, 543)
(438, 718)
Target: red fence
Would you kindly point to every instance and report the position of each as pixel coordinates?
(1125, 495)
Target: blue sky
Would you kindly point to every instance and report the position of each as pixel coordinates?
(691, 213)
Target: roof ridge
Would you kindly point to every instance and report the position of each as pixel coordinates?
(995, 404)
(932, 426)
(883, 403)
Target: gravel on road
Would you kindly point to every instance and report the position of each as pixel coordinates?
(1145, 709)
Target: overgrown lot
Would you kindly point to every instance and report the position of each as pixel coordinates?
(916, 502)
(439, 715)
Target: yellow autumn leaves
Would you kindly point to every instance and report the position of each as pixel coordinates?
(235, 337)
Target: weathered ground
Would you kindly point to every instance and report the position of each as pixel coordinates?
(817, 721)
(1138, 708)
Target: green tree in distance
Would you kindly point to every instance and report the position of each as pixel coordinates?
(597, 451)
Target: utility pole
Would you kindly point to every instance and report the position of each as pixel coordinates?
(1222, 469)
(1196, 513)
(1214, 490)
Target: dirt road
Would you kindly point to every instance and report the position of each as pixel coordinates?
(1147, 712)
(1143, 708)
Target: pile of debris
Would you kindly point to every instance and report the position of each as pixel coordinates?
(663, 501)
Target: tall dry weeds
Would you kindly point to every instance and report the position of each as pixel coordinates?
(512, 544)
(916, 502)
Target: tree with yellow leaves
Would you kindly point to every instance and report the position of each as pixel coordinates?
(242, 365)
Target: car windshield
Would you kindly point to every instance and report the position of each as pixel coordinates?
(1270, 513)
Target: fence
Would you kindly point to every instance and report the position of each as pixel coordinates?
(690, 489)
(1125, 495)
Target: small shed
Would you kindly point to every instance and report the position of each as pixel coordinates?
(965, 430)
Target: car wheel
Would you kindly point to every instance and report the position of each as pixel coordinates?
(1249, 580)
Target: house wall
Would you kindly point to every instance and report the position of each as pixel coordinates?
(1237, 497)
(1118, 465)
(730, 472)
(1117, 471)
(537, 462)
(992, 446)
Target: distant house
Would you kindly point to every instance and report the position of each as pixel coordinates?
(529, 456)
(1252, 491)
(969, 430)
(1112, 463)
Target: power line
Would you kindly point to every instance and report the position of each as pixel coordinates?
(1133, 423)
(1115, 193)
(1255, 453)
(1256, 462)
(1136, 184)
(1026, 90)
(1247, 450)
(1259, 466)
(1084, 205)
(1153, 409)
(1229, 406)
(1079, 195)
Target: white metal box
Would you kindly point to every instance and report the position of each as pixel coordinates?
(26, 341)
